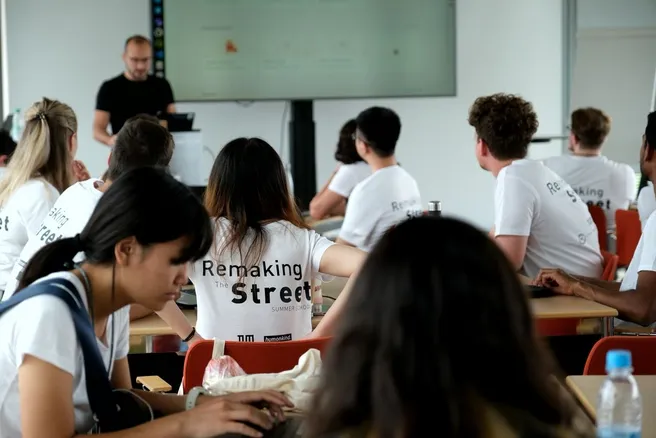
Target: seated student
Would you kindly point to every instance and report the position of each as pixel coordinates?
(331, 199)
(390, 194)
(539, 220)
(635, 297)
(141, 142)
(646, 203)
(401, 363)
(7, 148)
(40, 169)
(127, 260)
(596, 179)
(255, 283)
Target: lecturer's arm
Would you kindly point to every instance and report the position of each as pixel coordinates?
(102, 115)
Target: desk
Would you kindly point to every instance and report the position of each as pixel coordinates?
(153, 325)
(586, 389)
(573, 307)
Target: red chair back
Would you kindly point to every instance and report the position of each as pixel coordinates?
(610, 265)
(642, 348)
(628, 232)
(599, 218)
(253, 357)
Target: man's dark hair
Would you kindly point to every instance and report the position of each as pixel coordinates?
(379, 128)
(346, 152)
(7, 144)
(650, 130)
(590, 126)
(138, 39)
(141, 142)
(506, 123)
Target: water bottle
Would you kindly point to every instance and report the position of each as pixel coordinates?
(619, 407)
(16, 125)
(434, 208)
(317, 297)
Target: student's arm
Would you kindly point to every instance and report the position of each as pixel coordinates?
(168, 98)
(173, 316)
(636, 305)
(608, 285)
(340, 261)
(327, 203)
(629, 185)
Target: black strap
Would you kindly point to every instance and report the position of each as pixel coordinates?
(99, 388)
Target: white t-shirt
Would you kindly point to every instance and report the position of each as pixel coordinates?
(41, 327)
(598, 181)
(21, 216)
(387, 197)
(66, 218)
(644, 257)
(348, 176)
(531, 200)
(268, 301)
(646, 203)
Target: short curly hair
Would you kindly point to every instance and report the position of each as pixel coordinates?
(506, 123)
(590, 126)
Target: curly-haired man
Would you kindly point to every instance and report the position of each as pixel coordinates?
(539, 221)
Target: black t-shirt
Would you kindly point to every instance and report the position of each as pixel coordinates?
(123, 98)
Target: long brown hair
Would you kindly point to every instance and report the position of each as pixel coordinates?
(402, 363)
(249, 187)
(43, 149)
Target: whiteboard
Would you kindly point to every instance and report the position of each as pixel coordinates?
(305, 49)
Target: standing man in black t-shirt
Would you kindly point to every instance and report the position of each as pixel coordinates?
(132, 92)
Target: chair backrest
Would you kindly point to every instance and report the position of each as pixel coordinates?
(642, 348)
(253, 357)
(599, 218)
(628, 232)
(610, 265)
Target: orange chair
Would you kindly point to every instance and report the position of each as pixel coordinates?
(610, 265)
(642, 348)
(569, 326)
(628, 232)
(253, 357)
(599, 218)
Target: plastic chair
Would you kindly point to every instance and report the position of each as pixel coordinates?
(642, 348)
(599, 218)
(627, 232)
(610, 265)
(253, 357)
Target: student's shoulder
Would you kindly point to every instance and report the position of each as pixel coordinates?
(557, 161)
(35, 189)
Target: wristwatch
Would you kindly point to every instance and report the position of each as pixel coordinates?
(193, 395)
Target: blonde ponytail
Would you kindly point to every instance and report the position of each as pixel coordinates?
(43, 150)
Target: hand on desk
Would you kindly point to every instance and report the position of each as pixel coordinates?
(557, 280)
(234, 413)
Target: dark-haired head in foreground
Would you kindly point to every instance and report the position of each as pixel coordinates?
(143, 231)
(437, 338)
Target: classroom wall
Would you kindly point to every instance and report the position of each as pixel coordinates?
(614, 68)
(70, 46)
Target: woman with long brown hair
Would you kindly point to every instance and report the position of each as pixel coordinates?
(437, 339)
(255, 283)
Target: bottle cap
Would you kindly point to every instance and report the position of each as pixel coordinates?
(618, 359)
(434, 206)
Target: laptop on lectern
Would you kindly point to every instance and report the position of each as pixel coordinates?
(178, 122)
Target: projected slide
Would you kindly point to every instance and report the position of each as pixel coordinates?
(308, 49)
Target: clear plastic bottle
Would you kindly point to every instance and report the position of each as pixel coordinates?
(619, 406)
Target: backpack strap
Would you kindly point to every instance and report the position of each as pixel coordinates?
(99, 388)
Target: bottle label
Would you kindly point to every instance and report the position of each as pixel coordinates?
(618, 432)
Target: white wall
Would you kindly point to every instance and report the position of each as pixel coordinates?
(71, 46)
(614, 68)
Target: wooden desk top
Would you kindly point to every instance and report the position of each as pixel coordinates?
(153, 325)
(543, 308)
(586, 389)
(569, 307)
